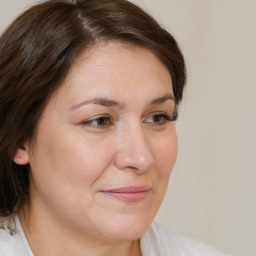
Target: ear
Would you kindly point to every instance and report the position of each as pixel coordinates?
(21, 156)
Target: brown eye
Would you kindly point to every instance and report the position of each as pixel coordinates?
(158, 119)
(102, 121)
(98, 122)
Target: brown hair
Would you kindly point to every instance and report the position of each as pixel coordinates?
(36, 53)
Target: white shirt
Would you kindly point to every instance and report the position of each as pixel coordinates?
(157, 241)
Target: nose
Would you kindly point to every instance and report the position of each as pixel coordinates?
(133, 151)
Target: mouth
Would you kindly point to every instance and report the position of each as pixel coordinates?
(130, 194)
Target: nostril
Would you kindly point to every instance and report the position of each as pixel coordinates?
(132, 168)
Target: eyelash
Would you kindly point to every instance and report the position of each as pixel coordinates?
(163, 119)
(96, 119)
(168, 118)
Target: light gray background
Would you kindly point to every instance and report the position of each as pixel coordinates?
(212, 192)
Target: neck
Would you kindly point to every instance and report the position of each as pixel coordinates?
(63, 241)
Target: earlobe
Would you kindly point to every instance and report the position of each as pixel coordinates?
(21, 156)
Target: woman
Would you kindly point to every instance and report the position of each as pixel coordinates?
(89, 91)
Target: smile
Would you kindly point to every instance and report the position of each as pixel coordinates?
(128, 194)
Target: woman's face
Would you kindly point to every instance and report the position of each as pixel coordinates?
(105, 146)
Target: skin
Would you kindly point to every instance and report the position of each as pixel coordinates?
(75, 155)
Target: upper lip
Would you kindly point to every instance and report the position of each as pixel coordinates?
(130, 189)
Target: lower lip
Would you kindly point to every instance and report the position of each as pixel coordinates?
(129, 197)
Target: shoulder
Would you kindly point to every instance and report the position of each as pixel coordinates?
(10, 242)
(160, 241)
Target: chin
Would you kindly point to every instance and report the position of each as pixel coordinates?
(126, 229)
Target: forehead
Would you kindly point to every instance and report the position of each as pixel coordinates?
(126, 70)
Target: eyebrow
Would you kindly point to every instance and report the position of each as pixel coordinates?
(162, 99)
(112, 103)
(99, 101)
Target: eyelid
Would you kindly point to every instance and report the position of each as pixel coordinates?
(172, 117)
(162, 114)
(164, 118)
(88, 122)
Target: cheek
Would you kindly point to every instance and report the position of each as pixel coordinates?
(82, 162)
(166, 154)
(66, 166)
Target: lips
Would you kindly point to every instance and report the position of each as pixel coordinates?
(130, 194)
